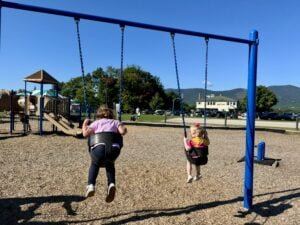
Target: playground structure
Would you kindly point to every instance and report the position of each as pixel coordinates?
(9, 103)
(55, 109)
(252, 69)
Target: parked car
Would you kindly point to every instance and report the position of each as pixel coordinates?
(168, 113)
(233, 115)
(147, 111)
(243, 116)
(198, 113)
(176, 113)
(159, 112)
(269, 116)
(289, 116)
(209, 113)
(220, 114)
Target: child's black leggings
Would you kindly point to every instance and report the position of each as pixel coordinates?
(98, 159)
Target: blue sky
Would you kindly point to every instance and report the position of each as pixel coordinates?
(33, 41)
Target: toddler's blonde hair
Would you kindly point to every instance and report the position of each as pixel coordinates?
(197, 130)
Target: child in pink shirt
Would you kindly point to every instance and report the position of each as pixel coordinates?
(104, 123)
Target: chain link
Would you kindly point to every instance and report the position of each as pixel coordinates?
(87, 108)
(178, 83)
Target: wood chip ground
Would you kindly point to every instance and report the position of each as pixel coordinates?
(43, 180)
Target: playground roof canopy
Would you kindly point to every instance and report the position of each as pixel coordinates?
(41, 76)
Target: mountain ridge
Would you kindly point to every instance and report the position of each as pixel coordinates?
(288, 95)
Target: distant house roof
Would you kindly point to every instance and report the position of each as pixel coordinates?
(41, 76)
(219, 98)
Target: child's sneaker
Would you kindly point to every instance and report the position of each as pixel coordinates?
(197, 177)
(190, 179)
(90, 190)
(111, 192)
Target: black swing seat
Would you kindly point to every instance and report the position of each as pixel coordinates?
(107, 138)
(197, 156)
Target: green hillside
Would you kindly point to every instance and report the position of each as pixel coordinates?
(192, 95)
(288, 96)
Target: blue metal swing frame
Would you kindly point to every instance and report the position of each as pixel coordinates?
(252, 73)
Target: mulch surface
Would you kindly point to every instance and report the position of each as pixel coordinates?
(43, 180)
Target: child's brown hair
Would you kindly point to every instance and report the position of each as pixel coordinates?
(104, 112)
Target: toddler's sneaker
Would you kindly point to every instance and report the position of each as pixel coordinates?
(197, 177)
(189, 179)
(90, 190)
(111, 192)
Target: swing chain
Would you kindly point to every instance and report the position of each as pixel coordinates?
(77, 20)
(205, 81)
(178, 83)
(121, 73)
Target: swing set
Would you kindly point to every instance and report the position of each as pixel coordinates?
(252, 42)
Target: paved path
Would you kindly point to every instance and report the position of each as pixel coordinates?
(238, 122)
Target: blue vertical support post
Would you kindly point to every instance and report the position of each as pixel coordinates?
(41, 110)
(261, 149)
(80, 111)
(69, 108)
(250, 129)
(25, 109)
(11, 114)
(55, 88)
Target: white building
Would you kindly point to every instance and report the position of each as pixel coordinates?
(217, 103)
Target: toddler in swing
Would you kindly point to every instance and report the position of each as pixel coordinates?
(105, 123)
(199, 139)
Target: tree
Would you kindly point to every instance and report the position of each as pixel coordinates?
(106, 88)
(74, 90)
(172, 101)
(69, 88)
(156, 102)
(139, 88)
(265, 99)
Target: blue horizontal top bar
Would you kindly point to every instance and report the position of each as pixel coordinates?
(120, 22)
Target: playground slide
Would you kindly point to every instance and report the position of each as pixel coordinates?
(61, 125)
(65, 120)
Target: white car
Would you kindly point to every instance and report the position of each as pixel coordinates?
(159, 112)
(243, 116)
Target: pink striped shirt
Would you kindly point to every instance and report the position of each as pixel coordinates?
(105, 125)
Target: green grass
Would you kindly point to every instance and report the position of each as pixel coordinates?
(4, 114)
(143, 118)
(147, 118)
